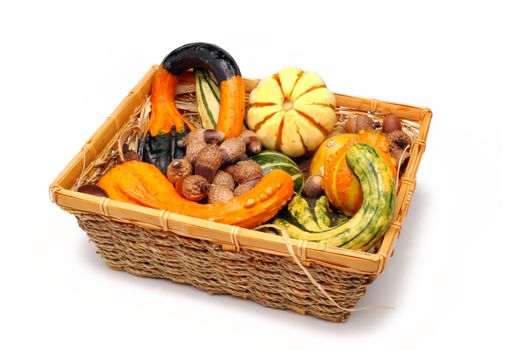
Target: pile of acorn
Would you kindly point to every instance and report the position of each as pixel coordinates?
(215, 170)
(399, 141)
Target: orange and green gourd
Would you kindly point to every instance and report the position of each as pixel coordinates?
(340, 183)
(166, 125)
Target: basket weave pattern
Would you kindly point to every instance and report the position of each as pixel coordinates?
(267, 279)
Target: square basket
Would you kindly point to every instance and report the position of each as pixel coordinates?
(223, 259)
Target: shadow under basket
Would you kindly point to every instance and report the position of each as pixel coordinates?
(223, 259)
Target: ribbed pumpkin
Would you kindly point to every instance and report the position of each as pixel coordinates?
(292, 111)
(340, 184)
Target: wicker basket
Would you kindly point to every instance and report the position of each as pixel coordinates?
(223, 259)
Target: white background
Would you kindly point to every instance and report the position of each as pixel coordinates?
(457, 277)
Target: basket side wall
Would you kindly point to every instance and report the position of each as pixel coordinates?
(270, 280)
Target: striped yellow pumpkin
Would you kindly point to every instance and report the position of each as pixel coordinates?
(292, 111)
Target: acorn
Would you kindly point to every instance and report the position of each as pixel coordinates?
(313, 186)
(247, 170)
(358, 122)
(254, 146)
(245, 187)
(129, 154)
(398, 142)
(196, 134)
(398, 139)
(93, 190)
(208, 162)
(233, 149)
(177, 169)
(247, 134)
(338, 130)
(193, 149)
(219, 194)
(391, 123)
(224, 179)
(252, 141)
(194, 188)
(213, 136)
(206, 135)
(229, 169)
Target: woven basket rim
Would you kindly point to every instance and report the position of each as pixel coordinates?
(231, 237)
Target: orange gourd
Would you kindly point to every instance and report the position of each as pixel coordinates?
(329, 147)
(340, 184)
(166, 126)
(143, 184)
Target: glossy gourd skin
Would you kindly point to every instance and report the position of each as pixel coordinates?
(329, 147)
(313, 215)
(366, 227)
(166, 125)
(270, 160)
(340, 183)
(143, 184)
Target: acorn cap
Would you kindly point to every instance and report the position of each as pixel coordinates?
(338, 130)
(193, 148)
(207, 162)
(206, 135)
(247, 134)
(196, 134)
(177, 169)
(398, 139)
(398, 142)
(219, 194)
(245, 187)
(223, 178)
(233, 149)
(358, 122)
(194, 187)
(247, 170)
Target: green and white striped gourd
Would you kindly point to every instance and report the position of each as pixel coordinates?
(269, 160)
(207, 96)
